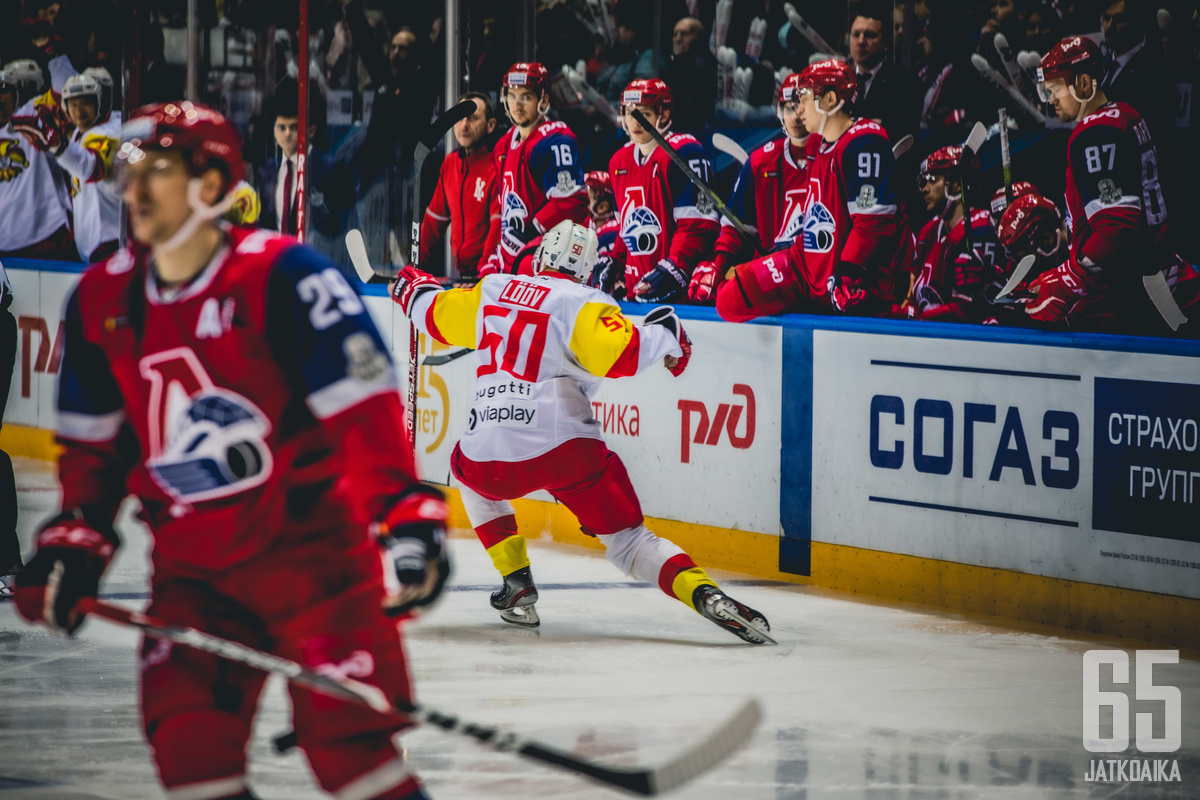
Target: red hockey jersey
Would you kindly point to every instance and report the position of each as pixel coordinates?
(255, 406)
(1117, 216)
(768, 198)
(660, 212)
(852, 213)
(539, 184)
(950, 285)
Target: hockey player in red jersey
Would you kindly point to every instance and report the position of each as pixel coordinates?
(949, 287)
(768, 197)
(233, 381)
(1000, 199)
(1031, 226)
(666, 226)
(1117, 214)
(854, 247)
(545, 344)
(539, 173)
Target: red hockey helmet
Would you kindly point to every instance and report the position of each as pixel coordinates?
(949, 159)
(999, 203)
(651, 92)
(205, 138)
(600, 182)
(789, 90)
(527, 75)
(830, 74)
(1067, 59)
(1027, 223)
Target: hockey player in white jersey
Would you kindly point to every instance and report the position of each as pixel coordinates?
(87, 156)
(545, 344)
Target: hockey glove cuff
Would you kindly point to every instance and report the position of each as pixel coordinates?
(410, 283)
(71, 557)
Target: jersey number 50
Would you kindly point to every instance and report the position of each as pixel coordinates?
(522, 332)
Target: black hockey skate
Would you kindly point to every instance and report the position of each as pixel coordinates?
(742, 621)
(516, 598)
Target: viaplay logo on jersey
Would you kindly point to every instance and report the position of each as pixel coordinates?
(641, 231)
(819, 229)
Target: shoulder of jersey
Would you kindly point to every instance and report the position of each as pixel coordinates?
(1117, 114)
(864, 127)
(682, 139)
(771, 148)
(556, 128)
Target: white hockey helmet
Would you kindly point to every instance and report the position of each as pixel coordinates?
(569, 248)
(81, 86)
(101, 76)
(26, 75)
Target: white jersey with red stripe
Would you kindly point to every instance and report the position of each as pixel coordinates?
(545, 343)
(88, 161)
(33, 191)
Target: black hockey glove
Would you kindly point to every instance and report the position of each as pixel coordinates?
(413, 532)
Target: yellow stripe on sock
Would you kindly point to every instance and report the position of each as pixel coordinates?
(509, 555)
(685, 583)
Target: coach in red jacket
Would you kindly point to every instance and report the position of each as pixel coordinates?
(463, 197)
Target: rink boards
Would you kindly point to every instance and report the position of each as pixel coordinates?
(1049, 478)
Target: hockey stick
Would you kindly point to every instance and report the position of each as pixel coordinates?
(804, 29)
(584, 89)
(730, 148)
(357, 249)
(439, 359)
(1022, 269)
(646, 781)
(902, 145)
(971, 146)
(986, 70)
(1160, 294)
(1005, 157)
(696, 180)
(1000, 42)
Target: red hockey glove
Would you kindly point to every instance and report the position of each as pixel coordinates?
(493, 266)
(706, 279)
(413, 532)
(70, 559)
(845, 293)
(665, 316)
(662, 283)
(410, 283)
(968, 275)
(45, 130)
(1057, 292)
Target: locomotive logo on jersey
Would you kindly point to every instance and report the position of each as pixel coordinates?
(793, 217)
(819, 229)
(206, 442)
(640, 228)
(512, 222)
(13, 160)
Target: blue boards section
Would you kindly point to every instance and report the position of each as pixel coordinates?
(795, 457)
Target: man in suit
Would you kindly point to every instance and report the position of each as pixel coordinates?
(887, 92)
(327, 185)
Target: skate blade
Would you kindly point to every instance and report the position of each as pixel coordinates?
(730, 611)
(525, 616)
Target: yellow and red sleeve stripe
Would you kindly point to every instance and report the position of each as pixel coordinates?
(451, 316)
(604, 341)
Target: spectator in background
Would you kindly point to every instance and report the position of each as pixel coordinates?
(631, 58)
(1043, 29)
(691, 72)
(887, 91)
(465, 190)
(327, 186)
(1136, 68)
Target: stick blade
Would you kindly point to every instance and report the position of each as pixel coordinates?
(976, 138)
(902, 145)
(442, 125)
(728, 146)
(1164, 301)
(357, 249)
(1022, 269)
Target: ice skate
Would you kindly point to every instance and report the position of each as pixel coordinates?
(740, 620)
(515, 600)
(7, 583)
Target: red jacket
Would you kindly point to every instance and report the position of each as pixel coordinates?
(462, 200)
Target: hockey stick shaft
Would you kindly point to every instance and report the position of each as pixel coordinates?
(986, 70)
(696, 180)
(1005, 157)
(971, 146)
(643, 781)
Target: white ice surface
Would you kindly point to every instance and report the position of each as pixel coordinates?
(862, 700)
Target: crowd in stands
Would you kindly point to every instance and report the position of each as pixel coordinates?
(929, 69)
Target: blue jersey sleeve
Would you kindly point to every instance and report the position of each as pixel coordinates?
(743, 203)
(871, 180)
(321, 332)
(689, 201)
(556, 158)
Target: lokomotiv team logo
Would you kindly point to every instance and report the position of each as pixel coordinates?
(205, 441)
(13, 160)
(640, 228)
(819, 229)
